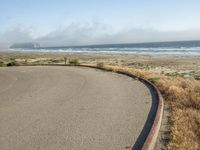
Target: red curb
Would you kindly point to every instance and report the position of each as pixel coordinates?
(153, 134)
(150, 141)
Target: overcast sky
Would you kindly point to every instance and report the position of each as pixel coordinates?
(79, 22)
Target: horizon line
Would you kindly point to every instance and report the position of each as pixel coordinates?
(112, 44)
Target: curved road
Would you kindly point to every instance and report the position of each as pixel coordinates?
(70, 108)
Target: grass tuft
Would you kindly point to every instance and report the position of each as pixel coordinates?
(12, 63)
(74, 62)
(100, 65)
(1, 64)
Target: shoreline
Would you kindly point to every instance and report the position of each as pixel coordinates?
(94, 53)
(103, 53)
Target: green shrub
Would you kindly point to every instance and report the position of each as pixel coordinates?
(12, 63)
(12, 59)
(74, 62)
(197, 77)
(1, 64)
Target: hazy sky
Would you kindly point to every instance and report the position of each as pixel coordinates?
(76, 22)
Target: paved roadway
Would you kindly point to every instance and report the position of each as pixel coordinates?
(70, 108)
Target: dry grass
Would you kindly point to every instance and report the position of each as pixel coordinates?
(183, 97)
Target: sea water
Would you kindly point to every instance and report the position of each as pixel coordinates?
(182, 48)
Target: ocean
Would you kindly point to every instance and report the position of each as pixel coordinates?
(181, 48)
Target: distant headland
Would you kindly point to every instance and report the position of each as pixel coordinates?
(29, 45)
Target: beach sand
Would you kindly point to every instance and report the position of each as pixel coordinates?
(184, 66)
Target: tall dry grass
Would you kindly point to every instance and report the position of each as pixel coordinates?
(183, 97)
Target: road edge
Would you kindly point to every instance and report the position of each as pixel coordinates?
(150, 141)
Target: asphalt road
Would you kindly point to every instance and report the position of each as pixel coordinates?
(70, 108)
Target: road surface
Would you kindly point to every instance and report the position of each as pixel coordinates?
(70, 108)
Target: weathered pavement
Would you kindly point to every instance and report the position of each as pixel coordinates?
(70, 108)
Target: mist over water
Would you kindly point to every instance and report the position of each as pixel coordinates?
(183, 48)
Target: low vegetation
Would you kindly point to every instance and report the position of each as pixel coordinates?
(1, 64)
(7, 62)
(55, 61)
(183, 97)
(74, 62)
(100, 65)
(11, 63)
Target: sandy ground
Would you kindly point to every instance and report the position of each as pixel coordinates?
(76, 108)
(184, 66)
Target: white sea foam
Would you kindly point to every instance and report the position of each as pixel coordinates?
(123, 50)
